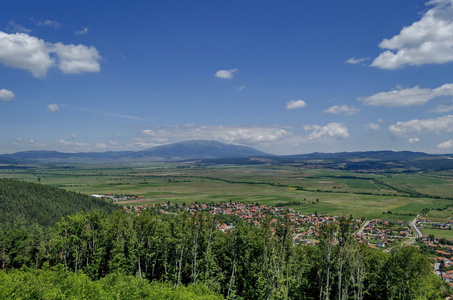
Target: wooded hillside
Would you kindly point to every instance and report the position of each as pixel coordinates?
(45, 205)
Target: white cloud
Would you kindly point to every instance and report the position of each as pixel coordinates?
(48, 23)
(240, 88)
(52, 108)
(23, 51)
(226, 74)
(414, 140)
(437, 125)
(337, 109)
(446, 145)
(246, 135)
(354, 61)
(295, 104)
(84, 30)
(77, 58)
(6, 95)
(428, 41)
(372, 126)
(407, 97)
(333, 130)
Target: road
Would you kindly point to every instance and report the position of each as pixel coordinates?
(363, 226)
(417, 232)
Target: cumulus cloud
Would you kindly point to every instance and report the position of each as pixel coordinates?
(245, 135)
(77, 58)
(338, 109)
(48, 23)
(52, 108)
(6, 95)
(427, 41)
(354, 61)
(437, 125)
(295, 104)
(22, 51)
(84, 30)
(333, 130)
(414, 140)
(445, 145)
(407, 97)
(226, 74)
(372, 126)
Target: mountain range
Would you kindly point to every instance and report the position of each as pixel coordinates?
(205, 152)
(188, 150)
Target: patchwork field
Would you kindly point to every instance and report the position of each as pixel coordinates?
(386, 196)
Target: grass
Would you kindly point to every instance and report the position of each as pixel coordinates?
(323, 191)
(439, 233)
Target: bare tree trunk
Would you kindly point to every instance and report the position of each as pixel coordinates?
(232, 277)
(180, 266)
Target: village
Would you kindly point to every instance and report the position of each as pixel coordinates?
(383, 234)
(376, 233)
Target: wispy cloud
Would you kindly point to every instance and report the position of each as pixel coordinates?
(13, 27)
(442, 108)
(121, 116)
(82, 31)
(372, 126)
(48, 23)
(354, 61)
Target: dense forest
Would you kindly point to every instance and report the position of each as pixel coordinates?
(28, 202)
(116, 253)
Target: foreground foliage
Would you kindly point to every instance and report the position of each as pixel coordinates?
(61, 284)
(246, 263)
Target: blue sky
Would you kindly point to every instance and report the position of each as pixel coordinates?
(285, 77)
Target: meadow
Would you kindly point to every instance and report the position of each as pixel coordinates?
(393, 196)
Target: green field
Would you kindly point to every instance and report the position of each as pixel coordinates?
(438, 233)
(334, 192)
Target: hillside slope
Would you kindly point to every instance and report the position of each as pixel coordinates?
(43, 204)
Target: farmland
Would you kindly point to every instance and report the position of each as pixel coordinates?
(382, 195)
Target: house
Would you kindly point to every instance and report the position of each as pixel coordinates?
(380, 244)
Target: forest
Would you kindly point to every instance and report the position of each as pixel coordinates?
(102, 251)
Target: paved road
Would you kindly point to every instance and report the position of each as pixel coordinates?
(363, 226)
(418, 233)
